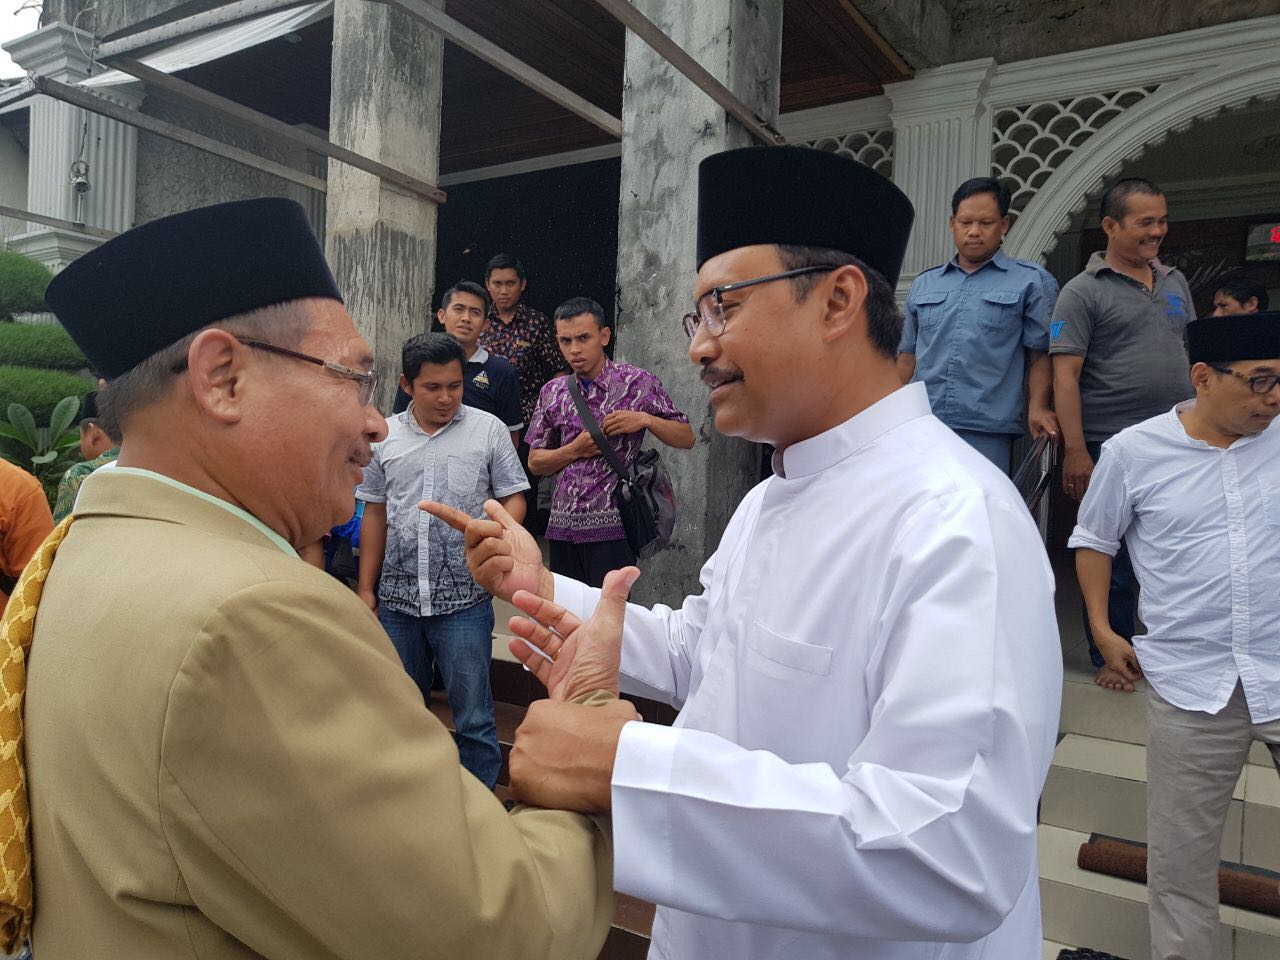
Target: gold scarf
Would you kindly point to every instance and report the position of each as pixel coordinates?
(16, 630)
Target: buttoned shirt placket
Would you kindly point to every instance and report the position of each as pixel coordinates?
(425, 541)
(1238, 543)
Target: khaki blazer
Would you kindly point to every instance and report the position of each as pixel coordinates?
(227, 760)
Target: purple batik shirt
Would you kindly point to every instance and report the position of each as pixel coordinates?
(582, 509)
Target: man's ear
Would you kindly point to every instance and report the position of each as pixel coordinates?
(606, 334)
(846, 293)
(1201, 374)
(217, 375)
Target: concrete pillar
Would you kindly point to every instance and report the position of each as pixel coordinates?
(670, 125)
(381, 240)
(61, 134)
(941, 137)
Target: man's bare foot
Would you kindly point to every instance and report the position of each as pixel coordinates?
(1109, 679)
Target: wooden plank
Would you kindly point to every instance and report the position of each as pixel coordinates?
(178, 29)
(261, 122)
(650, 33)
(95, 104)
(495, 56)
(17, 92)
(40, 218)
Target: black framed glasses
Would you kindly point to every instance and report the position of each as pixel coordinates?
(367, 379)
(708, 310)
(1260, 385)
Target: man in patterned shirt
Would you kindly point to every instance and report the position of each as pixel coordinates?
(97, 446)
(526, 339)
(426, 600)
(585, 531)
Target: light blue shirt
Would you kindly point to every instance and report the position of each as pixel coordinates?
(1202, 525)
(968, 332)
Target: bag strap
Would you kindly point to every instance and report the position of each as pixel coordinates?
(593, 427)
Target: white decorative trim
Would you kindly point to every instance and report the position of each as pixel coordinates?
(955, 88)
(585, 155)
(1136, 63)
(57, 51)
(1172, 109)
(835, 120)
(1224, 197)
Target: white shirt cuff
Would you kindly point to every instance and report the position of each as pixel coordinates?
(643, 861)
(1080, 537)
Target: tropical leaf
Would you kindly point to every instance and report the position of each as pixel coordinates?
(25, 423)
(63, 414)
(47, 457)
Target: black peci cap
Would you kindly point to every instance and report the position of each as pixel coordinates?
(1238, 336)
(804, 197)
(150, 287)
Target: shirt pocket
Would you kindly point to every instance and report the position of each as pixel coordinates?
(929, 309)
(1270, 495)
(464, 475)
(785, 658)
(999, 310)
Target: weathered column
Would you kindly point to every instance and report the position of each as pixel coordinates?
(380, 240)
(62, 134)
(670, 125)
(941, 137)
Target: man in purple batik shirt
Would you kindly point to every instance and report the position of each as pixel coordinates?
(585, 531)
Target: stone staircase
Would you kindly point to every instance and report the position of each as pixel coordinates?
(1097, 784)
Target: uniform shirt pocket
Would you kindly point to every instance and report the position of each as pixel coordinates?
(1000, 310)
(929, 308)
(786, 658)
(464, 475)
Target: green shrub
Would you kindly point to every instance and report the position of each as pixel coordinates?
(22, 283)
(44, 345)
(39, 390)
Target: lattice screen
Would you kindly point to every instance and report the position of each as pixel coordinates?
(1030, 141)
(872, 147)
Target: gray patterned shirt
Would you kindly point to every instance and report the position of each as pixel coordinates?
(464, 463)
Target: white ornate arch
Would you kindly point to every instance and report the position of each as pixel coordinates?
(1173, 108)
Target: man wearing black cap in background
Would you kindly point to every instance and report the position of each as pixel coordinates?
(1195, 495)
(226, 759)
(869, 682)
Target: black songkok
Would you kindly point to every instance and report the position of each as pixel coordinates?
(150, 287)
(1239, 336)
(802, 197)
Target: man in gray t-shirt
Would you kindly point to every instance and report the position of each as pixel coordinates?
(1117, 343)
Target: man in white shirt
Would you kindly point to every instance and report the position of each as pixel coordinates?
(869, 681)
(1195, 495)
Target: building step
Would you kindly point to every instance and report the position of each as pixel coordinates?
(1091, 711)
(1100, 786)
(1110, 914)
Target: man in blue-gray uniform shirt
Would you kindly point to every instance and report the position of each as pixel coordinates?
(977, 330)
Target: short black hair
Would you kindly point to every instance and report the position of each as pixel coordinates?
(437, 349)
(1115, 202)
(89, 417)
(577, 306)
(884, 319)
(1242, 289)
(977, 185)
(503, 261)
(465, 286)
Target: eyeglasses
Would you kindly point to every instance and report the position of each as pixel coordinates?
(1260, 385)
(709, 308)
(367, 379)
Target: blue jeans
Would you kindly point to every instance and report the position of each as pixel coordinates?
(462, 643)
(1123, 597)
(996, 447)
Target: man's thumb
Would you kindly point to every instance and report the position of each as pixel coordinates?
(615, 590)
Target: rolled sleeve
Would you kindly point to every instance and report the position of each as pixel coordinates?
(373, 486)
(506, 476)
(1107, 510)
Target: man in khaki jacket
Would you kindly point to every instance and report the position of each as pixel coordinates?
(225, 758)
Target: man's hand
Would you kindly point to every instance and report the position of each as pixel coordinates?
(582, 446)
(625, 421)
(1043, 422)
(1119, 654)
(1077, 466)
(584, 656)
(564, 752)
(502, 555)
(368, 598)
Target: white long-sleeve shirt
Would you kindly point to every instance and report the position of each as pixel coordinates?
(1202, 524)
(870, 684)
